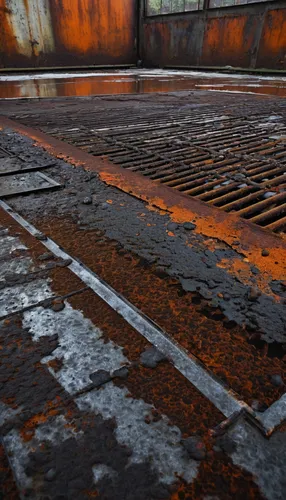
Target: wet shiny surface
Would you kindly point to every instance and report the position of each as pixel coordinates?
(135, 82)
(42, 349)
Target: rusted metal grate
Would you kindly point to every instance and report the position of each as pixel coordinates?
(229, 156)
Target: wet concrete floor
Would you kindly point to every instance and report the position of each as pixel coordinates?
(134, 82)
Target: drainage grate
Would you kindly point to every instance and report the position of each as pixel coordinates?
(224, 152)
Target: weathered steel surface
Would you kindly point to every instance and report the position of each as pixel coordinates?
(42, 410)
(39, 33)
(247, 36)
(272, 48)
(230, 40)
(189, 319)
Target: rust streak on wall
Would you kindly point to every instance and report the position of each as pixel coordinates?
(273, 40)
(88, 28)
(38, 33)
(229, 39)
(246, 36)
(7, 38)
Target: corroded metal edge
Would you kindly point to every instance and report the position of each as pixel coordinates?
(226, 400)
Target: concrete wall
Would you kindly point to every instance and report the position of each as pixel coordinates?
(246, 36)
(44, 33)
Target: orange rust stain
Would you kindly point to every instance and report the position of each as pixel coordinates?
(274, 36)
(273, 40)
(8, 40)
(227, 39)
(9, 90)
(27, 432)
(228, 230)
(236, 267)
(83, 26)
(219, 478)
(55, 364)
(91, 494)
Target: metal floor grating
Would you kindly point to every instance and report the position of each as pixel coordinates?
(230, 154)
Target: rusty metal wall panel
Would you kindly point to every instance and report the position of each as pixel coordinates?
(178, 41)
(272, 49)
(247, 36)
(230, 40)
(38, 33)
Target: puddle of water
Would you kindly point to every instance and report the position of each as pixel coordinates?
(25, 86)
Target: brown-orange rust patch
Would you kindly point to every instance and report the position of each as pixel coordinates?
(219, 344)
(28, 430)
(55, 364)
(228, 228)
(8, 489)
(210, 221)
(239, 268)
(65, 282)
(219, 478)
(163, 386)
(172, 395)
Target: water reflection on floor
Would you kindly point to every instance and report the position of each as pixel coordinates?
(134, 82)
